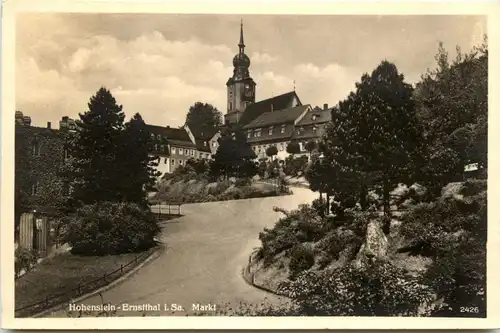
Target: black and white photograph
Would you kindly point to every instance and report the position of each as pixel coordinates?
(241, 165)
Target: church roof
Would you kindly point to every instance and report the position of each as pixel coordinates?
(278, 117)
(279, 102)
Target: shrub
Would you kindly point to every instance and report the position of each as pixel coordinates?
(320, 207)
(111, 228)
(24, 259)
(337, 241)
(452, 231)
(300, 225)
(380, 289)
(301, 259)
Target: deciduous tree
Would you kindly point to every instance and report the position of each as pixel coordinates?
(234, 156)
(293, 147)
(271, 151)
(203, 115)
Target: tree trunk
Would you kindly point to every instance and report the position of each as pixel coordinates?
(362, 198)
(327, 203)
(386, 198)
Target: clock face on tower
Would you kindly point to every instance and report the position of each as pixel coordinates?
(248, 90)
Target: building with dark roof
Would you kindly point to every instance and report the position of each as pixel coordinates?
(313, 125)
(275, 128)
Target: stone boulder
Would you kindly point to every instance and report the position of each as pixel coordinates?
(375, 245)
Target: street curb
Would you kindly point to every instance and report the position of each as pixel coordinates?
(114, 283)
(248, 277)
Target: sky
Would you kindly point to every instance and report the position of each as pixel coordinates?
(160, 64)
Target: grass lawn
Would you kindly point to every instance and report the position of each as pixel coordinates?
(58, 278)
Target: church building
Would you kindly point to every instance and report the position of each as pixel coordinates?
(273, 121)
(241, 92)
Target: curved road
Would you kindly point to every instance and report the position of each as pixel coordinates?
(206, 250)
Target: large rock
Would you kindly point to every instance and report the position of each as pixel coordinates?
(452, 191)
(375, 245)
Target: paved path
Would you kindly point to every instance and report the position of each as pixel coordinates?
(206, 251)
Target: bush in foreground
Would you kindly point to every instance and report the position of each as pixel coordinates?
(452, 231)
(379, 289)
(111, 228)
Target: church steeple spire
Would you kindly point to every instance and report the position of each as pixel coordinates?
(241, 44)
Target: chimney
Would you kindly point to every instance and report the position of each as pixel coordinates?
(48, 125)
(325, 106)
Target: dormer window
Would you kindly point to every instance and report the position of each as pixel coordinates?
(314, 128)
(314, 117)
(156, 147)
(283, 127)
(271, 130)
(249, 134)
(204, 143)
(159, 137)
(152, 136)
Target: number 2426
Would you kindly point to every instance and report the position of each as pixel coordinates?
(469, 309)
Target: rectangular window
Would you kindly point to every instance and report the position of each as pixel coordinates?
(249, 134)
(181, 151)
(156, 147)
(166, 160)
(172, 150)
(192, 152)
(162, 148)
(159, 137)
(314, 128)
(283, 129)
(173, 162)
(282, 147)
(271, 130)
(35, 149)
(34, 188)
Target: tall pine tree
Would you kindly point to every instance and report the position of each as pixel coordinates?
(136, 166)
(94, 150)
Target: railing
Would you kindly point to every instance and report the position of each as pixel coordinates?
(169, 209)
(81, 289)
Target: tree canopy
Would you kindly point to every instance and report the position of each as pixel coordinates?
(203, 115)
(452, 105)
(375, 139)
(293, 147)
(234, 156)
(271, 151)
(94, 149)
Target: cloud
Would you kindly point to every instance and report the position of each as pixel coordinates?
(258, 58)
(160, 67)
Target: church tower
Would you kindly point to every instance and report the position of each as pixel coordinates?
(240, 87)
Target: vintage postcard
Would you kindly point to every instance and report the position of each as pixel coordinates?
(249, 165)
